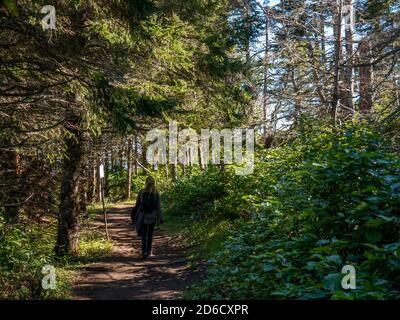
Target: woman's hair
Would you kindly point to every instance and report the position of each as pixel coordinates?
(150, 185)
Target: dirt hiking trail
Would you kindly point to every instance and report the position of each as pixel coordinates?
(124, 276)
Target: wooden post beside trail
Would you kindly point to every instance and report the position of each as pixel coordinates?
(101, 171)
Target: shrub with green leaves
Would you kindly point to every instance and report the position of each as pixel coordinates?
(195, 196)
(213, 194)
(320, 205)
(27, 246)
(24, 250)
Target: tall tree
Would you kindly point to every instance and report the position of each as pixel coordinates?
(68, 228)
(129, 164)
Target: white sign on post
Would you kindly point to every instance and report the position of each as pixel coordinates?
(101, 171)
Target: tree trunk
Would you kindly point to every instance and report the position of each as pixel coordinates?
(67, 236)
(89, 177)
(136, 155)
(366, 74)
(266, 133)
(10, 196)
(337, 17)
(113, 161)
(323, 38)
(96, 180)
(121, 154)
(83, 197)
(166, 171)
(129, 162)
(107, 168)
(173, 172)
(143, 159)
(348, 72)
(201, 159)
(297, 102)
(99, 191)
(94, 177)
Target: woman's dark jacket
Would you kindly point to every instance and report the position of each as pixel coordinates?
(142, 217)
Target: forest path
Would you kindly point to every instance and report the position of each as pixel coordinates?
(123, 275)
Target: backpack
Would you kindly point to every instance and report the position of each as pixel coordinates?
(148, 202)
(147, 206)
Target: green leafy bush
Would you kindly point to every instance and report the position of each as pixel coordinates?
(27, 246)
(195, 196)
(116, 184)
(213, 195)
(24, 250)
(319, 206)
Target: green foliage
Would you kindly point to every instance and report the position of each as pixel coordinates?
(117, 105)
(116, 184)
(92, 243)
(332, 201)
(195, 196)
(24, 250)
(26, 247)
(10, 6)
(203, 236)
(216, 194)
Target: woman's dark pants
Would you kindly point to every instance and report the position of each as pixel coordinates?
(147, 238)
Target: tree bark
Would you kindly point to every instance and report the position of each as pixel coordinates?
(265, 80)
(366, 74)
(173, 172)
(166, 171)
(348, 71)
(67, 235)
(83, 197)
(129, 162)
(10, 171)
(337, 17)
(94, 178)
(107, 169)
(113, 161)
(136, 155)
(99, 187)
(121, 153)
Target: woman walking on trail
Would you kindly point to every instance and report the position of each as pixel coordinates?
(146, 213)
